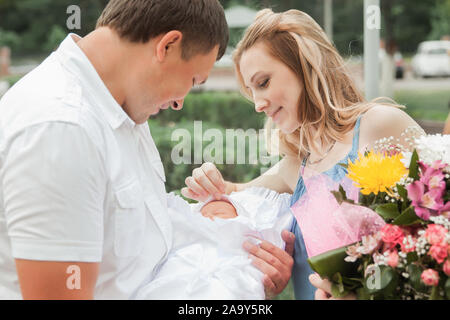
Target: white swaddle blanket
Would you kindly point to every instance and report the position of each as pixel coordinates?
(207, 261)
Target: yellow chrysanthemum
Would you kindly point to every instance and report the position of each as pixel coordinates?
(376, 172)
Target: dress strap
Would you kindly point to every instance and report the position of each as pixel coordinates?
(355, 144)
(302, 170)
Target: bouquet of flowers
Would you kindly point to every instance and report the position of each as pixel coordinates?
(409, 257)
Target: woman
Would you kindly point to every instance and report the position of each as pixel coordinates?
(287, 66)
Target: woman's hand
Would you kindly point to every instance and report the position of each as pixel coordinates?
(275, 263)
(206, 181)
(323, 291)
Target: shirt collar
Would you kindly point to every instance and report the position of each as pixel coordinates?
(74, 59)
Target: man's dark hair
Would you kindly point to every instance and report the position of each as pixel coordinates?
(202, 22)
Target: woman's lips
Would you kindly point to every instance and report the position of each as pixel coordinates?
(275, 115)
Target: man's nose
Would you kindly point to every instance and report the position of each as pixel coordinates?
(177, 104)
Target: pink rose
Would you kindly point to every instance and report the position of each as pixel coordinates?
(430, 277)
(392, 235)
(438, 252)
(435, 234)
(447, 267)
(393, 259)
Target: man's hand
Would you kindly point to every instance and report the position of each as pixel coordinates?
(45, 280)
(275, 263)
(323, 291)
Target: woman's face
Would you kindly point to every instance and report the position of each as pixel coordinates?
(274, 86)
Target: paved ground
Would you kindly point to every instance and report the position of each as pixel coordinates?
(432, 127)
(224, 80)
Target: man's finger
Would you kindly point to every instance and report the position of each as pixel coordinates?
(281, 255)
(268, 271)
(269, 287)
(289, 239)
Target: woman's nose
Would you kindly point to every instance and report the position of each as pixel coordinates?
(177, 104)
(260, 105)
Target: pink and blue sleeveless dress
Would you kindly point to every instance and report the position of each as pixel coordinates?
(301, 269)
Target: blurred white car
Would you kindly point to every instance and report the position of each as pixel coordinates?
(432, 59)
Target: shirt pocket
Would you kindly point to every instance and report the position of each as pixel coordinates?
(159, 168)
(129, 221)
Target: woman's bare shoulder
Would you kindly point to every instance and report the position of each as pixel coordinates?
(384, 122)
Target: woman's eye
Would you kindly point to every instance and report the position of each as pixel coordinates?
(264, 83)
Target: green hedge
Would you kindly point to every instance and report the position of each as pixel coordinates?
(216, 111)
(229, 110)
(177, 173)
(425, 104)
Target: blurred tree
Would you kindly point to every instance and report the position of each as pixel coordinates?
(36, 21)
(56, 36)
(408, 23)
(440, 20)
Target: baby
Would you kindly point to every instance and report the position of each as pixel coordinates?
(207, 261)
(219, 209)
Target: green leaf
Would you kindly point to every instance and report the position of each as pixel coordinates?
(338, 196)
(415, 272)
(331, 262)
(341, 196)
(414, 166)
(389, 280)
(447, 288)
(337, 287)
(412, 257)
(382, 283)
(388, 211)
(402, 192)
(407, 218)
(363, 294)
(349, 282)
(435, 294)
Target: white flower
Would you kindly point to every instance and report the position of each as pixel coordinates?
(434, 147)
(406, 159)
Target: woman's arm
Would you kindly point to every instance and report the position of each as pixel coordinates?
(207, 180)
(281, 178)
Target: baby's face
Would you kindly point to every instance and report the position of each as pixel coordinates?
(219, 209)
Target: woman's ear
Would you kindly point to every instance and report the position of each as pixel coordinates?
(167, 43)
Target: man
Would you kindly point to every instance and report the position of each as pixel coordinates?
(82, 197)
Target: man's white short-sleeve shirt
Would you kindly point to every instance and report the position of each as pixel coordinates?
(79, 180)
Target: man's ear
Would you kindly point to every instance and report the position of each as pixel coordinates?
(167, 43)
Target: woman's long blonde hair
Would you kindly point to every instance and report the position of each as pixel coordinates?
(330, 102)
